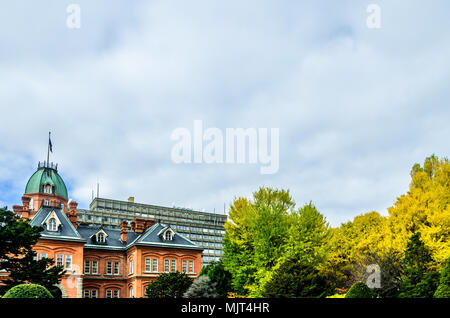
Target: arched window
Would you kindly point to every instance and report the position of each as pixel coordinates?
(52, 225)
(48, 189)
(168, 236)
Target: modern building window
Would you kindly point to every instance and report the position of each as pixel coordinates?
(109, 268)
(68, 261)
(94, 267)
(87, 267)
(59, 259)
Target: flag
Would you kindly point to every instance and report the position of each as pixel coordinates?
(50, 144)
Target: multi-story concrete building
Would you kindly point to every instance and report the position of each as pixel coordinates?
(204, 229)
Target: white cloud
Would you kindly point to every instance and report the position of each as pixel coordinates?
(355, 107)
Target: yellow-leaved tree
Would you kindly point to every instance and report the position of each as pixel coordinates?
(425, 209)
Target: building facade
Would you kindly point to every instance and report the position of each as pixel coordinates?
(204, 229)
(102, 261)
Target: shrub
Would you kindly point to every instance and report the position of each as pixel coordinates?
(28, 291)
(443, 290)
(359, 290)
(202, 287)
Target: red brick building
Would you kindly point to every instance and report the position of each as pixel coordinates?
(101, 261)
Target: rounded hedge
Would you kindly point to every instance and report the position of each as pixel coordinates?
(28, 291)
(359, 290)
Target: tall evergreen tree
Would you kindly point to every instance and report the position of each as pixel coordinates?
(420, 280)
(17, 239)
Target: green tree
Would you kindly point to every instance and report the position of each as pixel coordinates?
(296, 279)
(202, 287)
(360, 290)
(169, 285)
(419, 278)
(220, 276)
(443, 290)
(17, 239)
(256, 236)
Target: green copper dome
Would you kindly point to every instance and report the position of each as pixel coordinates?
(44, 176)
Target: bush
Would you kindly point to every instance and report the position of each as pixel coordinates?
(202, 287)
(28, 291)
(359, 290)
(443, 290)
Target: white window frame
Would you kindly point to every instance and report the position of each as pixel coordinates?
(109, 293)
(166, 266)
(184, 266)
(116, 268)
(94, 293)
(87, 265)
(43, 255)
(131, 269)
(52, 225)
(116, 293)
(109, 268)
(68, 262)
(191, 267)
(59, 257)
(94, 267)
(173, 265)
(155, 265)
(87, 293)
(148, 265)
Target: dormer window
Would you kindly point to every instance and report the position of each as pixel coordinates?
(52, 225)
(100, 237)
(52, 222)
(48, 189)
(168, 236)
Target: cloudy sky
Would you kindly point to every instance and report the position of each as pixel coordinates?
(356, 107)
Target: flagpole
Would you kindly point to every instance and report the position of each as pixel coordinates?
(48, 151)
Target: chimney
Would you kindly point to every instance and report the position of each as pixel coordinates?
(123, 231)
(142, 224)
(131, 199)
(73, 214)
(26, 203)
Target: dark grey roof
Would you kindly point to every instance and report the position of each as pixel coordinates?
(153, 237)
(66, 230)
(150, 237)
(112, 241)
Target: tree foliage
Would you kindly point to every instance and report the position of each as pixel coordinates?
(443, 290)
(28, 291)
(360, 290)
(220, 276)
(17, 239)
(169, 285)
(294, 279)
(202, 287)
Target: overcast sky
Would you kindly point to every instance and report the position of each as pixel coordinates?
(356, 107)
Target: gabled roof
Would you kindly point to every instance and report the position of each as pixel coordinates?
(112, 242)
(66, 230)
(152, 237)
